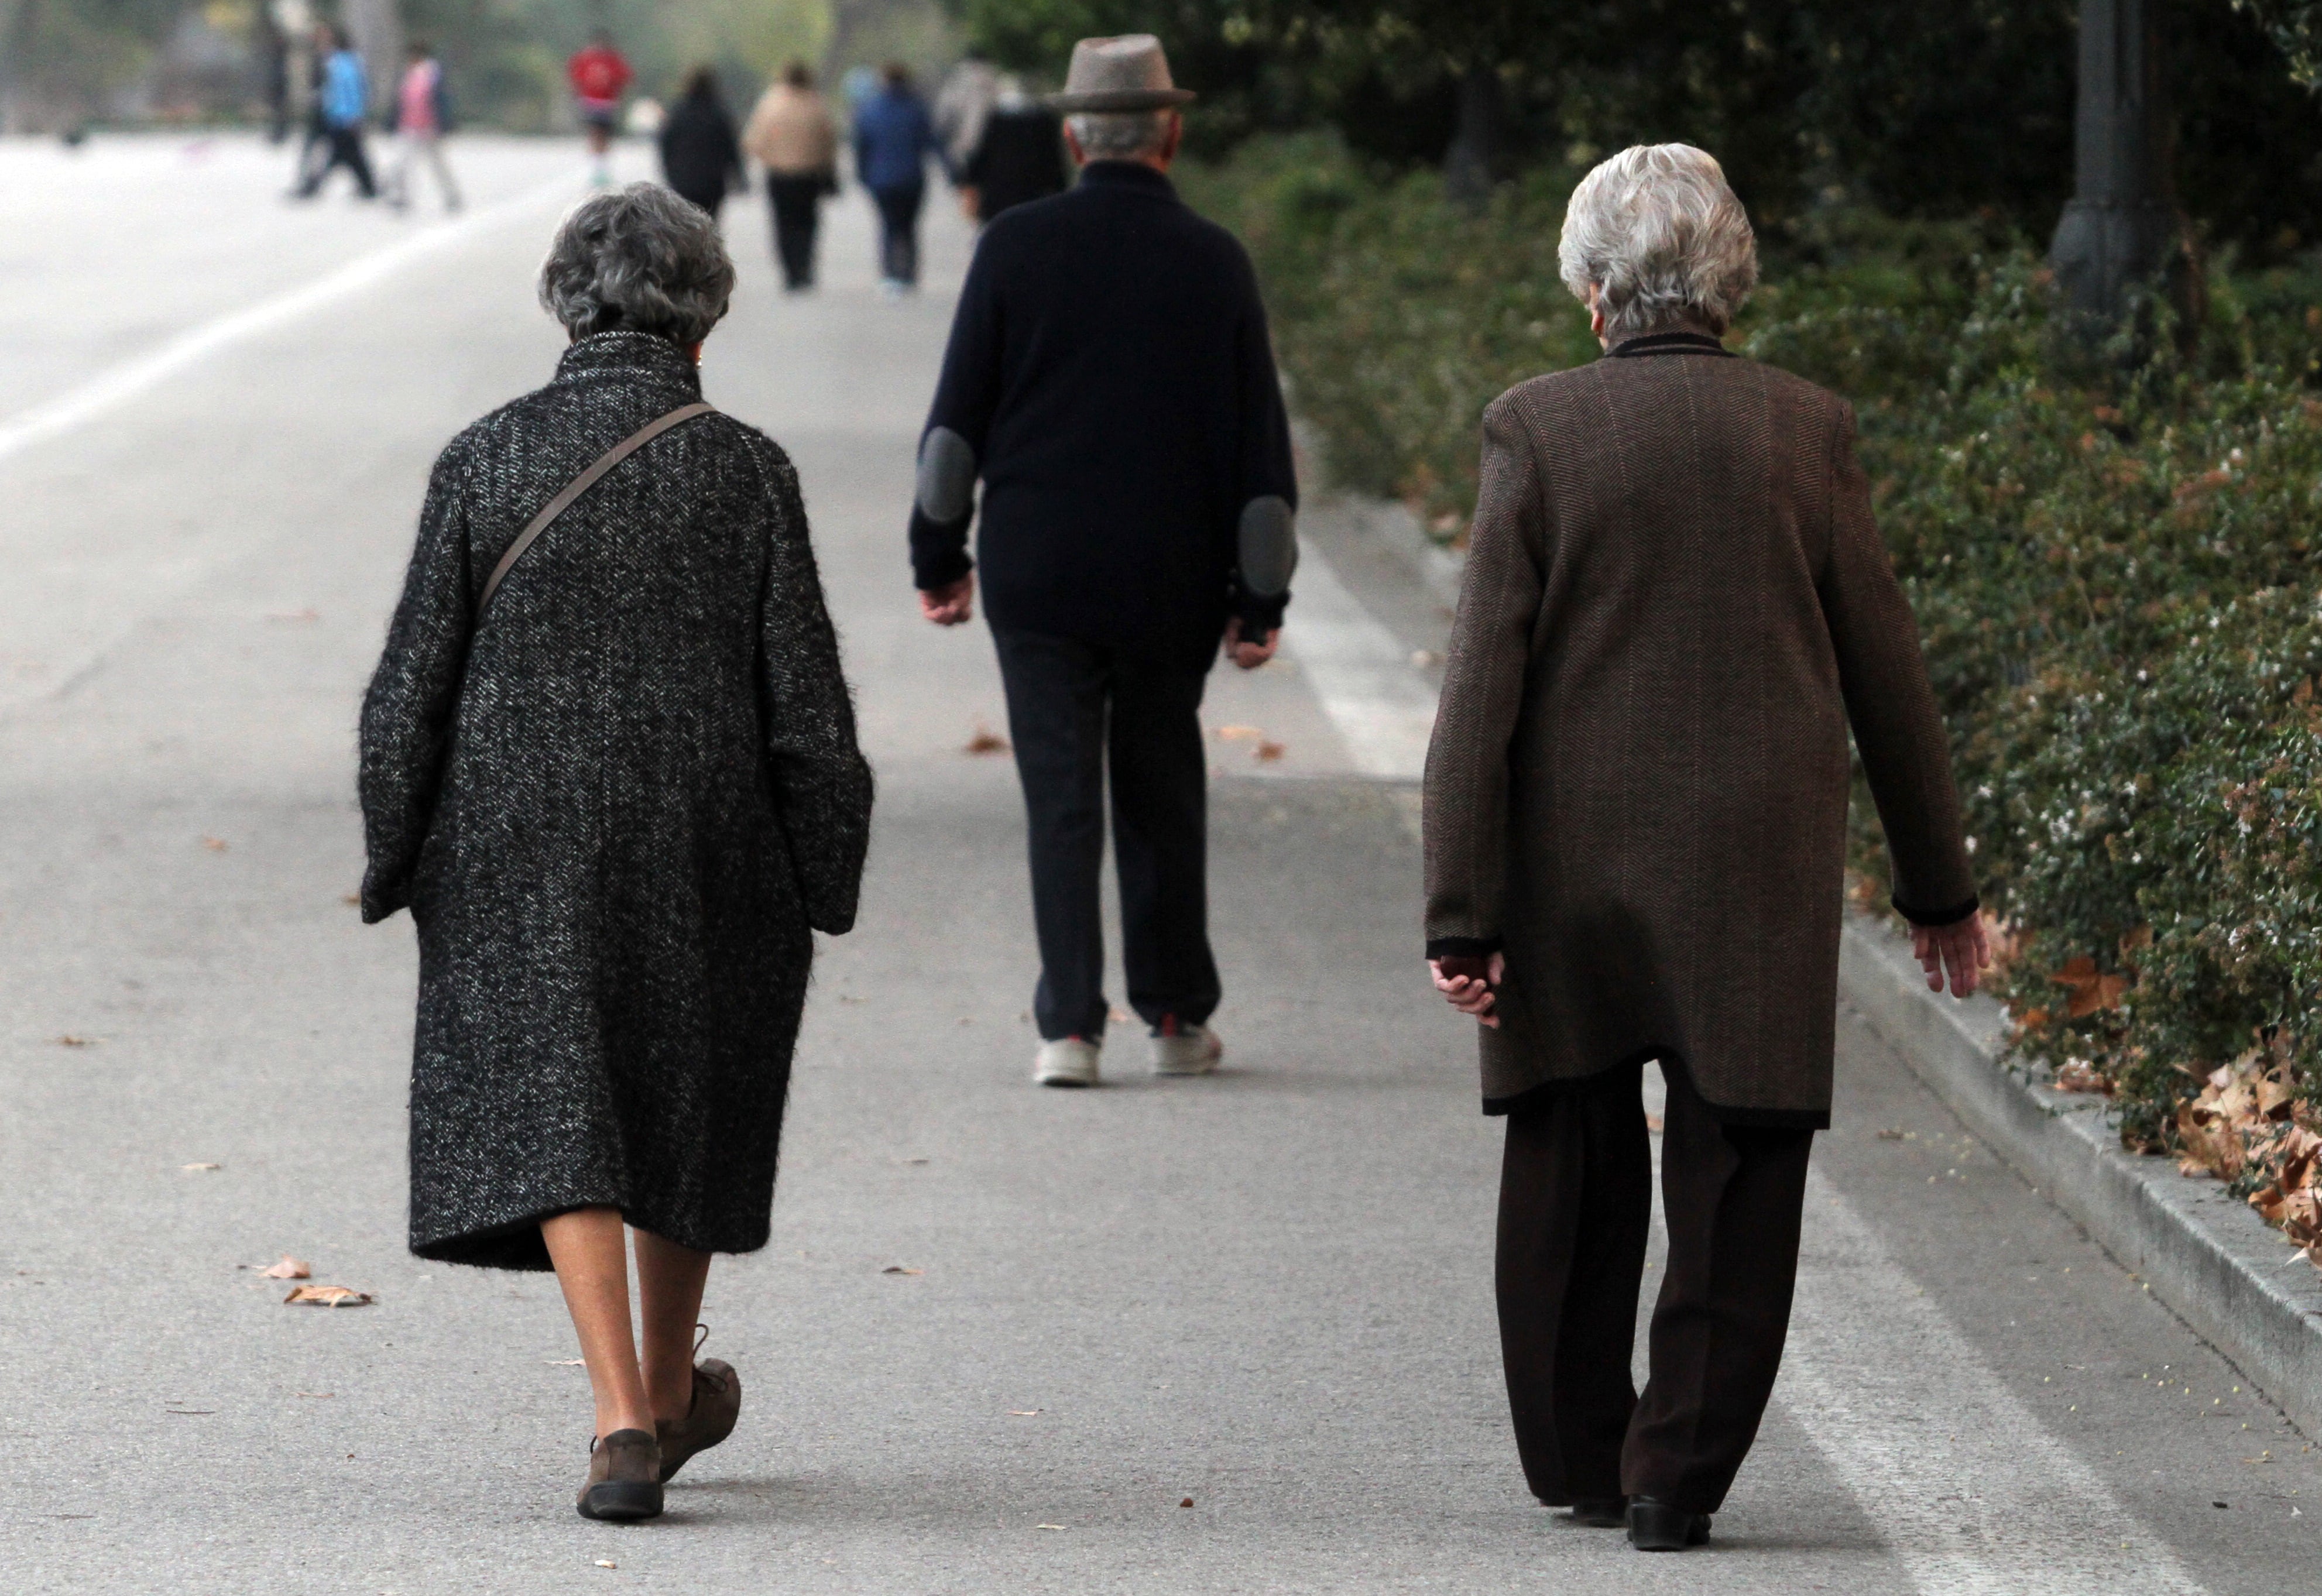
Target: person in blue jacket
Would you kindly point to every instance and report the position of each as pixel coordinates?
(894, 135)
(343, 106)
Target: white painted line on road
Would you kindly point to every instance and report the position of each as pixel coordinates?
(1966, 1486)
(1382, 705)
(132, 378)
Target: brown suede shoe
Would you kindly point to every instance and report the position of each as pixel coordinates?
(624, 1481)
(717, 1404)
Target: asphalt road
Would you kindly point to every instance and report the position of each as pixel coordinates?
(1266, 1293)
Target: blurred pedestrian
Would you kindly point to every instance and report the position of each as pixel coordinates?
(1019, 156)
(792, 134)
(423, 116)
(966, 97)
(1110, 382)
(701, 156)
(600, 75)
(893, 137)
(1676, 603)
(609, 764)
(341, 109)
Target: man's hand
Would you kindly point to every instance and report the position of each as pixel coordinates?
(949, 605)
(971, 203)
(1468, 984)
(1249, 656)
(1961, 949)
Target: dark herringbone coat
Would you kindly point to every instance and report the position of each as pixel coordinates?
(614, 812)
(1676, 603)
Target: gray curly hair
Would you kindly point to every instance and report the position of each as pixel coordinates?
(641, 259)
(1660, 236)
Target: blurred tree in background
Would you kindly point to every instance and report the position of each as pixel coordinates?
(1917, 110)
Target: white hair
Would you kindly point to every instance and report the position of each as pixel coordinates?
(1659, 235)
(1120, 135)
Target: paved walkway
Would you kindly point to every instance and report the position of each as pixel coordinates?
(1268, 1292)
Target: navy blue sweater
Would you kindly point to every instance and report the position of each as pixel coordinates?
(1110, 367)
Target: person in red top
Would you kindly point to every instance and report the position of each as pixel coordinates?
(599, 76)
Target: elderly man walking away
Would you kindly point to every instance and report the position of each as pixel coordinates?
(1676, 602)
(1110, 381)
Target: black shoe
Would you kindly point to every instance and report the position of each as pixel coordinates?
(1600, 1512)
(624, 1482)
(1657, 1527)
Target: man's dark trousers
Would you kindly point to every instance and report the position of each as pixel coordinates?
(1576, 1205)
(1074, 708)
(898, 232)
(797, 205)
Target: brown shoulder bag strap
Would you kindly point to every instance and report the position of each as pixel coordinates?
(580, 484)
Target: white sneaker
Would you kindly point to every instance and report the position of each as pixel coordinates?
(1069, 1061)
(1189, 1053)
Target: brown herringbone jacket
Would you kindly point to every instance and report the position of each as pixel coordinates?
(1676, 603)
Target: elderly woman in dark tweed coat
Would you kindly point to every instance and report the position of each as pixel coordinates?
(616, 783)
(1676, 605)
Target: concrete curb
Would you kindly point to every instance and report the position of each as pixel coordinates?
(2204, 1253)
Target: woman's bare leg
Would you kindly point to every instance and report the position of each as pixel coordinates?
(590, 1251)
(669, 1279)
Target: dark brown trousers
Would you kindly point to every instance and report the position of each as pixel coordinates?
(1576, 1207)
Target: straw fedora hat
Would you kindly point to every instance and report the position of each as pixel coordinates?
(1129, 73)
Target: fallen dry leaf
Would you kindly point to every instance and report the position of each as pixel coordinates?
(1266, 754)
(329, 1296)
(197, 1169)
(2090, 989)
(985, 741)
(1023, 1413)
(2079, 1075)
(70, 1040)
(215, 844)
(289, 1268)
(606, 1563)
(1187, 1502)
(1893, 1133)
(899, 1269)
(1047, 1527)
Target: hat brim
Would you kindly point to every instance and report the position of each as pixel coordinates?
(1119, 99)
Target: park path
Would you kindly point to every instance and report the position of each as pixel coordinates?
(1001, 1335)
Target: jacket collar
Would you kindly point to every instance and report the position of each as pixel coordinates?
(1670, 343)
(1133, 175)
(646, 356)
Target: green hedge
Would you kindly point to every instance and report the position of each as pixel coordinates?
(2112, 555)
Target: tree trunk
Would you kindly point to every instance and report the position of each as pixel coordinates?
(1476, 157)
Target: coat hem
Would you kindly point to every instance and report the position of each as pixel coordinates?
(516, 1244)
(1737, 1115)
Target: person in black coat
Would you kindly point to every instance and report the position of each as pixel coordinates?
(701, 154)
(1111, 383)
(1019, 156)
(618, 793)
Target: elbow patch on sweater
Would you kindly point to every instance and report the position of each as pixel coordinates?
(1269, 545)
(946, 476)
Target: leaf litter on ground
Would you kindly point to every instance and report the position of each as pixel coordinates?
(329, 1296)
